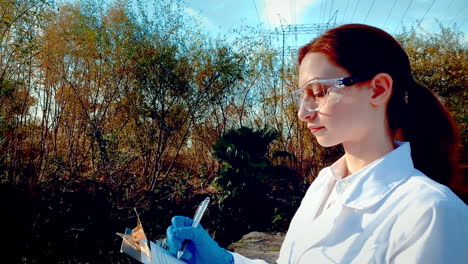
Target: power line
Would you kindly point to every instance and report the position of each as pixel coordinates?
(333, 17)
(389, 13)
(355, 8)
(331, 7)
(368, 12)
(292, 6)
(406, 11)
(404, 14)
(427, 11)
(322, 10)
(290, 12)
(289, 29)
(320, 14)
(344, 13)
(324, 16)
(256, 11)
(267, 19)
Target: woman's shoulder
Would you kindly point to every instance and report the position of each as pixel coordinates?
(421, 205)
(428, 223)
(421, 191)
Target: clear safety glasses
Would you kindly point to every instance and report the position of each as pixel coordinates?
(317, 93)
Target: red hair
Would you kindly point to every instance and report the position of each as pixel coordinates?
(365, 51)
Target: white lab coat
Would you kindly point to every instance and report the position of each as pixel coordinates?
(387, 212)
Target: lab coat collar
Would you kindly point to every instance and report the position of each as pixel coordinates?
(372, 183)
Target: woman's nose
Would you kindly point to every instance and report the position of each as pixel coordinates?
(304, 114)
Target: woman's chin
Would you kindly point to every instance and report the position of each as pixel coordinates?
(326, 143)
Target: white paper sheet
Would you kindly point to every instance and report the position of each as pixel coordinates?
(158, 254)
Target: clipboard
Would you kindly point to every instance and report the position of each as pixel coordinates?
(158, 255)
(135, 244)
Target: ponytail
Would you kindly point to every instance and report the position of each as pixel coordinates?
(431, 131)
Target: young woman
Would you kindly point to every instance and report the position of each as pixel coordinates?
(383, 201)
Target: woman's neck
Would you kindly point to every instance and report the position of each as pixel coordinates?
(360, 154)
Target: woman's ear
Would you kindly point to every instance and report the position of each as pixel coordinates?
(382, 86)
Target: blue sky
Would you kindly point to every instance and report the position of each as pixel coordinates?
(222, 16)
(219, 17)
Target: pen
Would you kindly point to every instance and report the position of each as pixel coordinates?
(196, 220)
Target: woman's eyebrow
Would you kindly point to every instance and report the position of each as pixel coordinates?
(309, 80)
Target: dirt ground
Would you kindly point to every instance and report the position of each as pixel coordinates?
(257, 245)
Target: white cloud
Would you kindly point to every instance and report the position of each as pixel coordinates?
(204, 21)
(277, 12)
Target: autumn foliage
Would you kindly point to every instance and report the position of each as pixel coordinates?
(107, 108)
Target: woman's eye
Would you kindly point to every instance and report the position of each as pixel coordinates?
(319, 94)
(307, 93)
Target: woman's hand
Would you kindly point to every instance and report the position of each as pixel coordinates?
(201, 247)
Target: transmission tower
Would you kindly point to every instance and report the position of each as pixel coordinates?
(285, 31)
(302, 29)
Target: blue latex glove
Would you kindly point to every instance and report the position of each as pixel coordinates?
(201, 247)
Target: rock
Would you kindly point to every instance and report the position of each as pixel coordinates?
(258, 245)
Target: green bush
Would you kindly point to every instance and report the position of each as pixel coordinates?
(253, 193)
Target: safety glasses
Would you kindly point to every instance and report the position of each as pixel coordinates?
(317, 93)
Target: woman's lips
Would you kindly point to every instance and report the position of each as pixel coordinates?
(315, 129)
